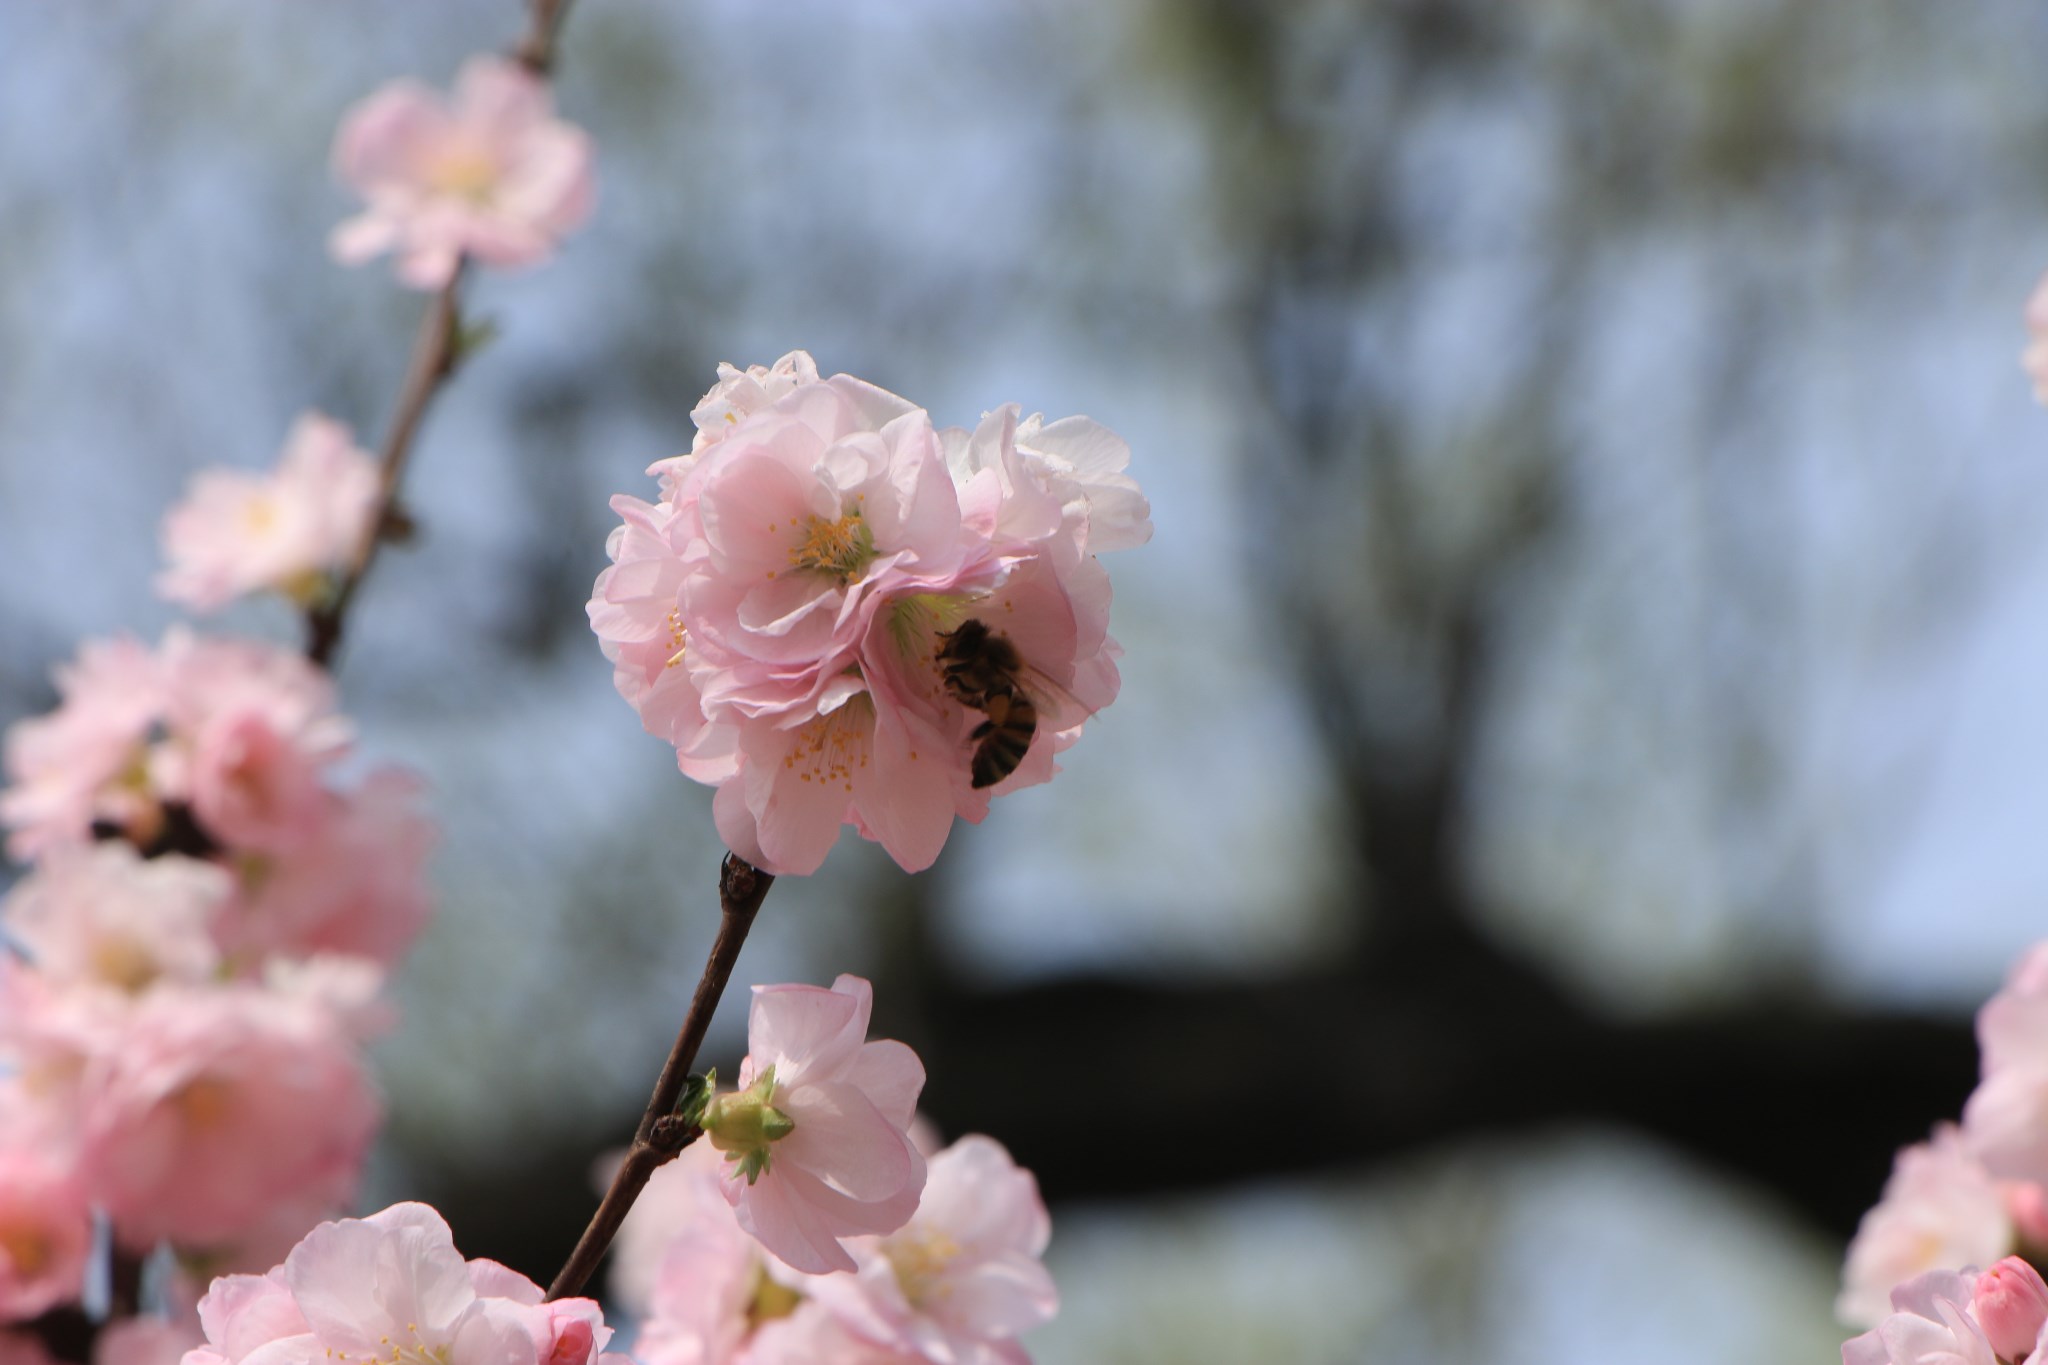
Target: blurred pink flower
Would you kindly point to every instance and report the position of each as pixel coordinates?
(86, 760)
(282, 530)
(45, 1230)
(356, 886)
(19, 1348)
(846, 1165)
(683, 1262)
(103, 916)
(2034, 359)
(1940, 1209)
(239, 730)
(2005, 1120)
(143, 1341)
(393, 1287)
(964, 1277)
(218, 1105)
(1932, 1323)
(491, 175)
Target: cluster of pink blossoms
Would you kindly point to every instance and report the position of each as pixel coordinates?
(840, 614)
(1976, 1192)
(945, 1268)
(194, 959)
(181, 1035)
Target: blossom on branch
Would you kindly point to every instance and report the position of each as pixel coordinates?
(286, 530)
(964, 1277)
(237, 732)
(2005, 1120)
(817, 1139)
(1932, 1322)
(491, 175)
(45, 1228)
(219, 1109)
(708, 1293)
(1940, 1209)
(839, 614)
(393, 1288)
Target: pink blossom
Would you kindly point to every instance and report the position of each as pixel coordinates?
(779, 615)
(241, 731)
(1940, 1208)
(964, 1276)
(842, 1163)
(683, 1261)
(252, 728)
(2027, 1203)
(742, 393)
(492, 175)
(104, 916)
(45, 1230)
(282, 530)
(356, 885)
(1932, 1323)
(143, 1341)
(49, 1036)
(2011, 1304)
(2006, 1118)
(217, 1106)
(2034, 360)
(393, 1286)
(87, 759)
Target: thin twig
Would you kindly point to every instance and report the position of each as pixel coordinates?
(434, 353)
(661, 1134)
(537, 51)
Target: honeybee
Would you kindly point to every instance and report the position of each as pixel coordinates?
(983, 670)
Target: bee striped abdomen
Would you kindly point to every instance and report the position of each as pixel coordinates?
(980, 671)
(1004, 738)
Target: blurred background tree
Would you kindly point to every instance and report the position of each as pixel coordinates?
(1577, 763)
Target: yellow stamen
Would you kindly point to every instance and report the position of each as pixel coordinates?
(841, 548)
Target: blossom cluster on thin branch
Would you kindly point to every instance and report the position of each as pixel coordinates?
(194, 959)
(836, 611)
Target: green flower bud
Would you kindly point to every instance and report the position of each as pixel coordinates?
(744, 1125)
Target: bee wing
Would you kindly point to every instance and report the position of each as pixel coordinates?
(1059, 708)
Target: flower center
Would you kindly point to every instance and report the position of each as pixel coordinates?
(841, 548)
(677, 636)
(465, 172)
(205, 1103)
(771, 1299)
(27, 1249)
(832, 747)
(123, 963)
(419, 1353)
(259, 514)
(919, 1259)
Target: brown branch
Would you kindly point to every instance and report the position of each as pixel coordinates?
(434, 353)
(536, 52)
(661, 1134)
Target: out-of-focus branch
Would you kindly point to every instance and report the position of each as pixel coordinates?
(536, 51)
(435, 350)
(662, 1133)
